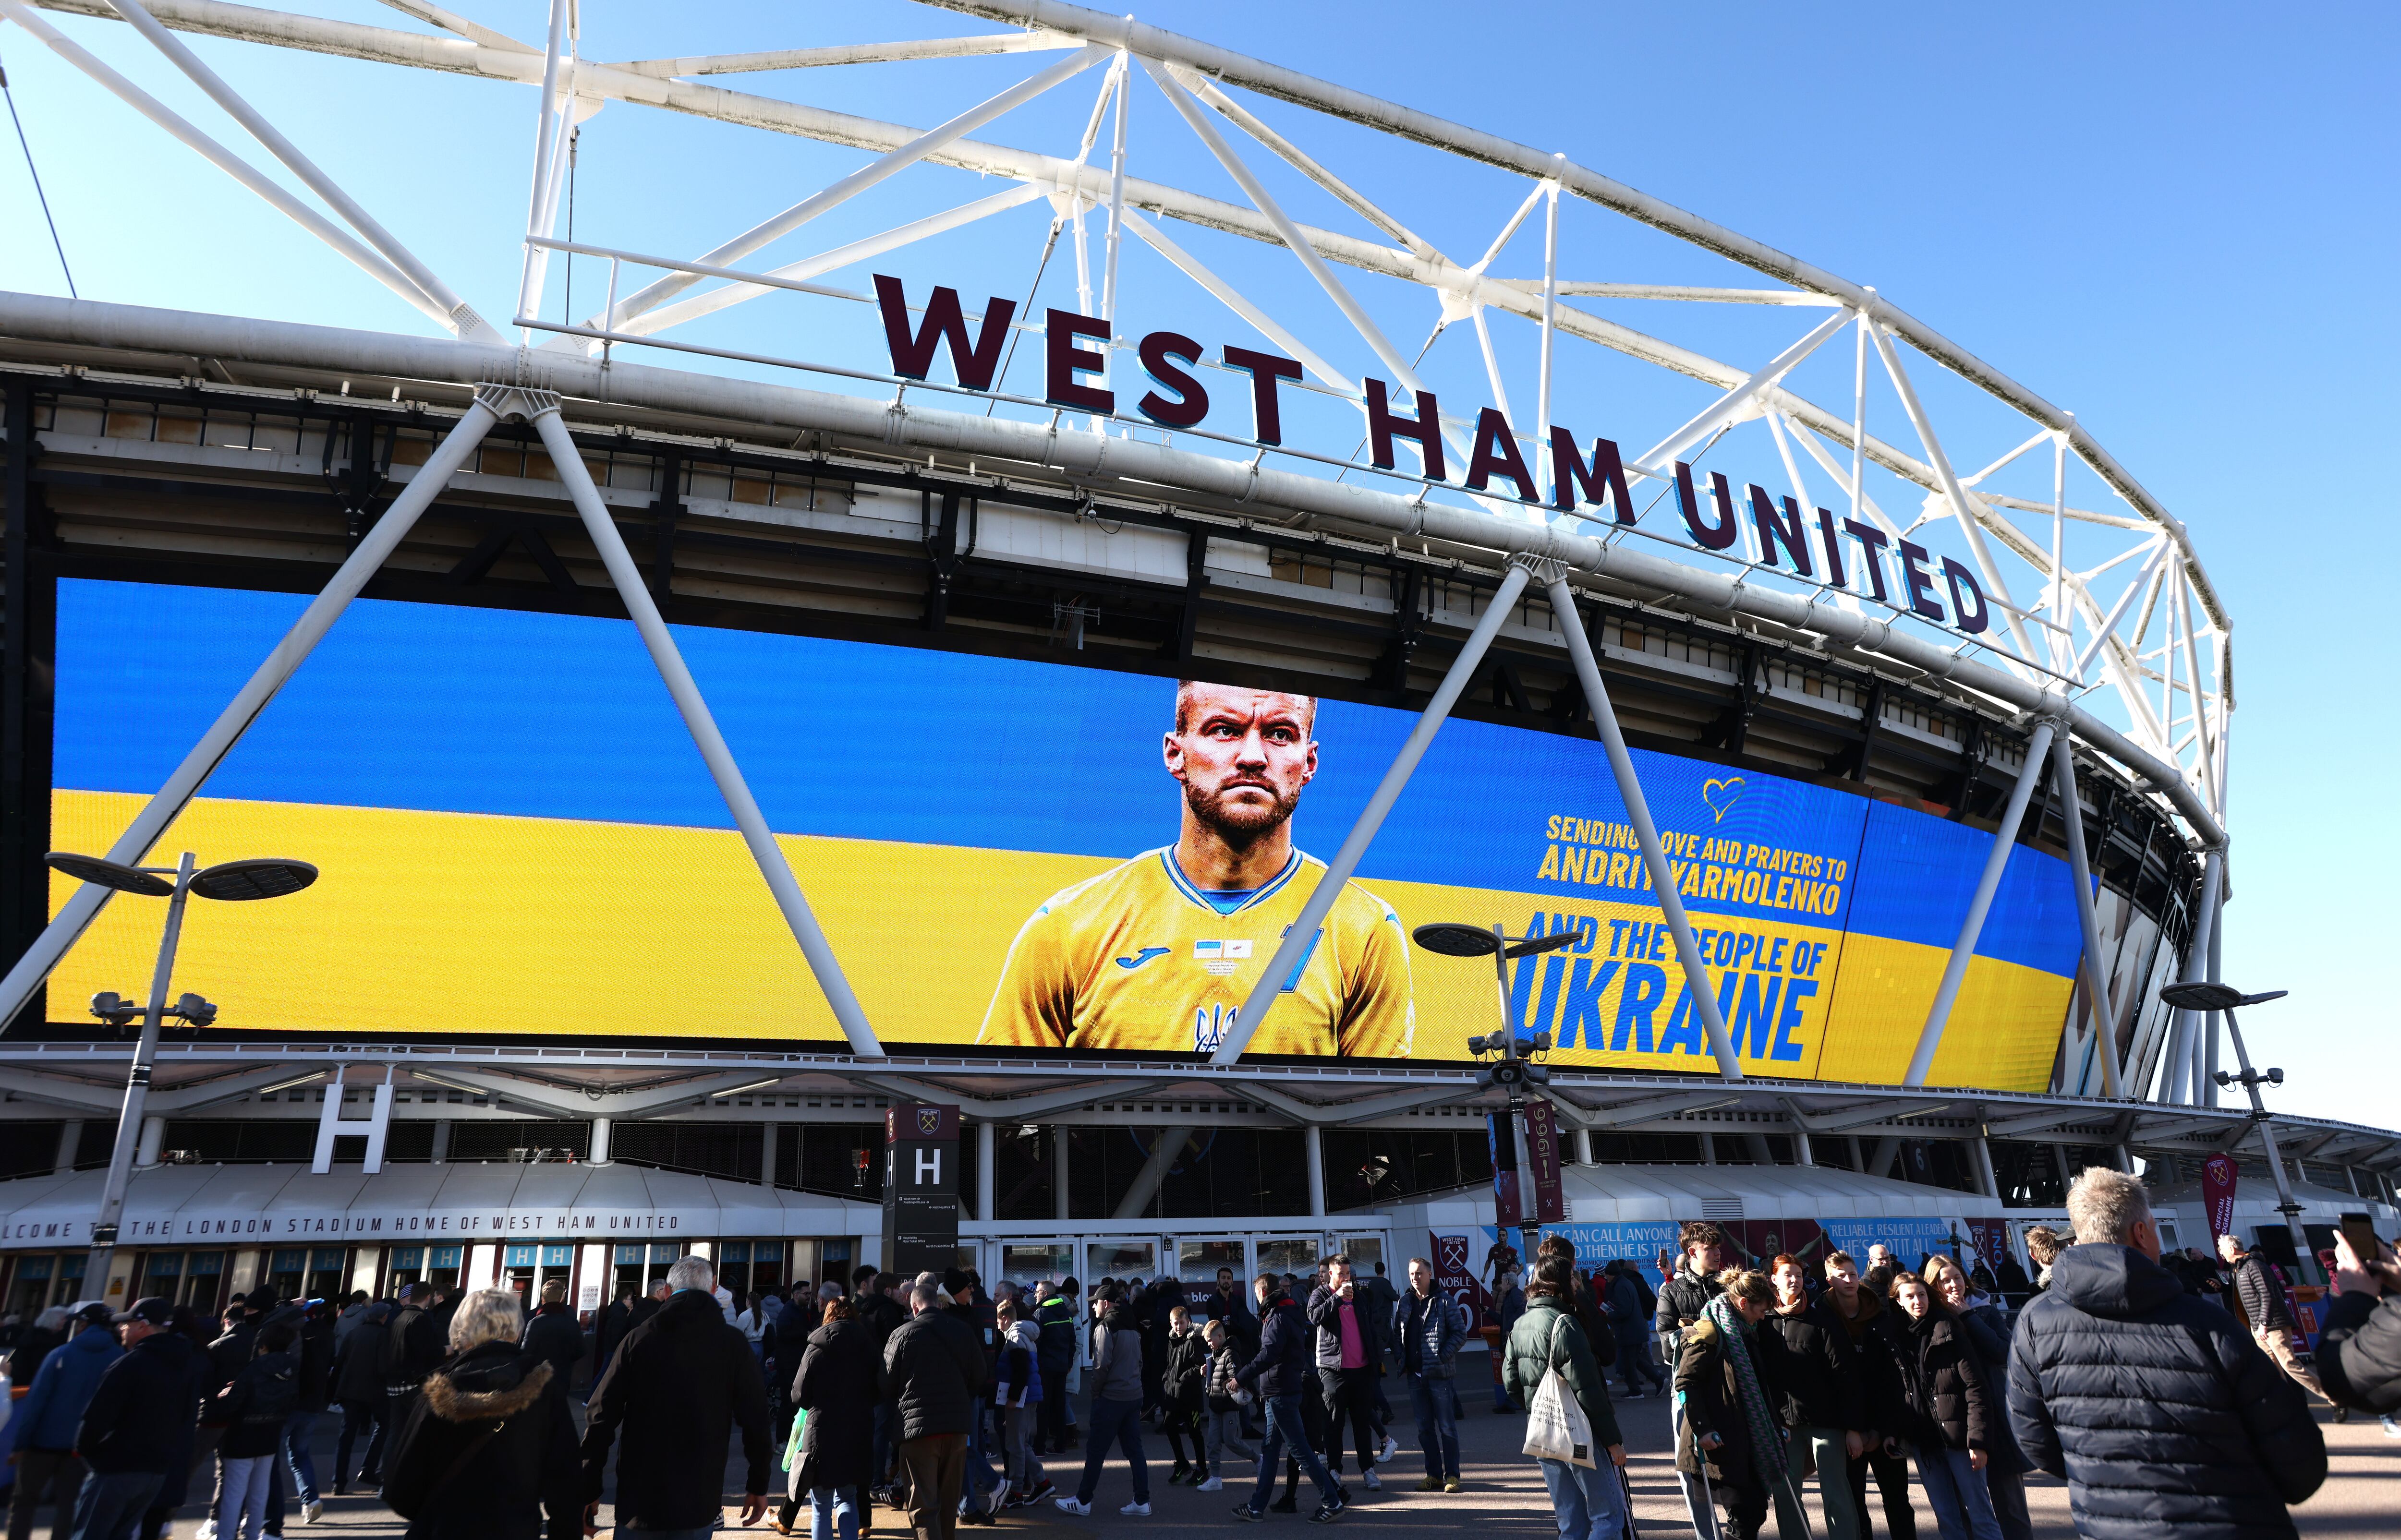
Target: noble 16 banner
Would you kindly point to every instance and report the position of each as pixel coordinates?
(518, 836)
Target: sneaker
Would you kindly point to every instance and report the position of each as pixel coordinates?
(1432, 1483)
(1375, 1483)
(1135, 1510)
(1247, 1514)
(1183, 1468)
(1285, 1505)
(1045, 1490)
(1081, 1510)
(2392, 1429)
(2343, 1414)
(1391, 1447)
(1327, 1513)
(208, 1530)
(1214, 1484)
(1451, 1485)
(311, 1511)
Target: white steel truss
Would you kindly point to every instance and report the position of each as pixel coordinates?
(2102, 610)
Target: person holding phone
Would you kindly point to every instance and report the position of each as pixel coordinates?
(2359, 1348)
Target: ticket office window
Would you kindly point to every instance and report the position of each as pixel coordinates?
(1126, 1258)
(29, 1291)
(1031, 1261)
(518, 1264)
(203, 1280)
(1197, 1262)
(328, 1272)
(625, 1271)
(161, 1276)
(287, 1270)
(442, 1265)
(1294, 1254)
(407, 1267)
(68, 1287)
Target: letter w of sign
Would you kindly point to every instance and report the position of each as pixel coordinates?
(912, 356)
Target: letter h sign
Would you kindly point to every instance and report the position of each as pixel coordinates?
(921, 1187)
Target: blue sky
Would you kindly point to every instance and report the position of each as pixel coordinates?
(2175, 221)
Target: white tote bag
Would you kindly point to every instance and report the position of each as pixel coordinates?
(1556, 1425)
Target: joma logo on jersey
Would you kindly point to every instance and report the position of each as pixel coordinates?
(1219, 957)
(1210, 1024)
(1145, 955)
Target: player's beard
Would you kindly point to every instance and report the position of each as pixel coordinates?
(1240, 825)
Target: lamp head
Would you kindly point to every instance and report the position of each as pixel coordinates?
(1550, 943)
(1457, 940)
(110, 874)
(259, 877)
(194, 1011)
(114, 1008)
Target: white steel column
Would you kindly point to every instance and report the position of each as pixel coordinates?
(601, 1128)
(154, 1134)
(2172, 1087)
(1801, 1153)
(2096, 977)
(85, 903)
(1058, 1205)
(1985, 1173)
(1298, 940)
(1963, 951)
(1540, 435)
(1313, 1144)
(987, 1181)
(573, 475)
(1646, 833)
(2209, 1080)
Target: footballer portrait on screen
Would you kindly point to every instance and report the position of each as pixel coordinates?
(1159, 953)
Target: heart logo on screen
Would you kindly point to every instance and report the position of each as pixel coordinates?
(1722, 795)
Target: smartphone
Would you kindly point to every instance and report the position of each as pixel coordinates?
(2360, 1230)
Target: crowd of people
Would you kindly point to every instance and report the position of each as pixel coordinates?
(2161, 1403)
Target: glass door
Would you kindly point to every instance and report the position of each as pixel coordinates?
(518, 1264)
(29, 1291)
(1293, 1255)
(1032, 1262)
(68, 1288)
(1122, 1260)
(442, 1266)
(286, 1272)
(328, 1272)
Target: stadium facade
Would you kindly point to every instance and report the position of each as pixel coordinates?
(1875, 843)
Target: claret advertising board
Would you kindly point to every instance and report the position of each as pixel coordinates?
(518, 837)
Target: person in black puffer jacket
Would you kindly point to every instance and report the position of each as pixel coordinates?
(137, 1427)
(2157, 1407)
(253, 1410)
(1988, 1333)
(359, 1389)
(933, 1371)
(2359, 1348)
(489, 1449)
(1953, 1412)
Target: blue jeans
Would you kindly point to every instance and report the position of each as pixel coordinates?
(296, 1456)
(980, 1480)
(1437, 1429)
(108, 1507)
(1591, 1505)
(833, 1511)
(1114, 1423)
(1284, 1428)
(1956, 1490)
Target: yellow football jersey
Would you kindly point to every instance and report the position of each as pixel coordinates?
(1137, 957)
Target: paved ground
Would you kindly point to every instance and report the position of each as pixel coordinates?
(2362, 1497)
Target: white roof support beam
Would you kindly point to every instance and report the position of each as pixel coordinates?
(855, 53)
(1015, 1109)
(309, 219)
(1236, 301)
(1307, 165)
(857, 182)
(1735, 404)
(464, 321)
(1646, 1109)
(452, 22)
(863, 249)
(551, 119)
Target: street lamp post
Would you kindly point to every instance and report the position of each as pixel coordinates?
(2206, 996)
(1506, 1069)
(232, 881)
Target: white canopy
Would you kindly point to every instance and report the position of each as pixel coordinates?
(264, 1205)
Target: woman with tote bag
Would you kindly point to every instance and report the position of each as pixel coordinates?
(1547, 1360)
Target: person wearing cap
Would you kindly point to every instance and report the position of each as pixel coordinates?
(138, 1426)
(42, 1430)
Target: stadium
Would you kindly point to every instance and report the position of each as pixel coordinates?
(1031, 529)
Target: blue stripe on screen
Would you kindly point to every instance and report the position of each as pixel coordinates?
(490, 711)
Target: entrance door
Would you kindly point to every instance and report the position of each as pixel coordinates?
(518, 1264)
(1031, 1261)
(328, 1273)
(287, 1272)
(204, 1281)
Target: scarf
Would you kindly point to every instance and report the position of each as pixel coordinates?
(1766, 1438)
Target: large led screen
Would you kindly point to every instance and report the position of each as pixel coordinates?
(518, 836)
